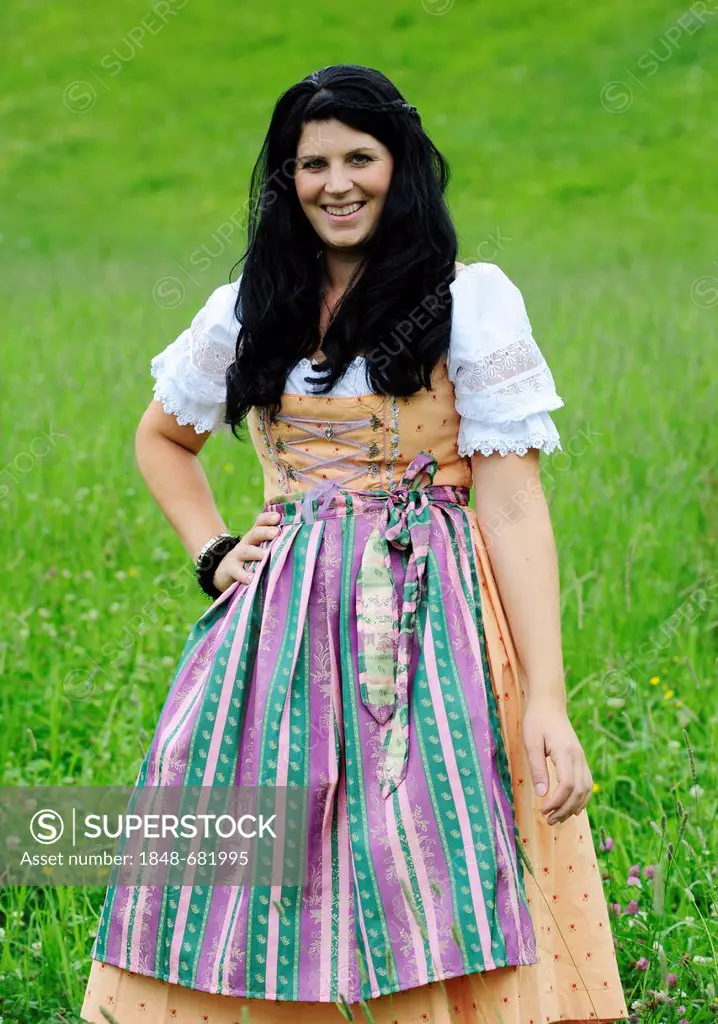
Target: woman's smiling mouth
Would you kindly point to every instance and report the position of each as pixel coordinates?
(347, 211)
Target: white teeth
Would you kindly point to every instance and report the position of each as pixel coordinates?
(343, 211)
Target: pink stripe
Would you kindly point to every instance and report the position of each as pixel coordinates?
(180, 923)
(225, 700)
(473, 636)
(346, 933)
(129, 891)
(471, 631)
(183, 710)
(402, 872)
(419, 865)
(365, 938)
(227, 692)
(512, 886)
(283, 755)
(325, 933)
(469, 622)
(137, 929)
(325, 956)
(336, 791)
(452, 771)
(231, 917)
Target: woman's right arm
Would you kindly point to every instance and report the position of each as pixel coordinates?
(167, 458)
(190, 392)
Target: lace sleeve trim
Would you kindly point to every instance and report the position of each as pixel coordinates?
(172, 388)
(487, 445)
(508, 384)
(535, 431)
(190, 379)
(206, 355)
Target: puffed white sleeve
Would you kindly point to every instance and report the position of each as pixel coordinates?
(190, 373)
(503, 387)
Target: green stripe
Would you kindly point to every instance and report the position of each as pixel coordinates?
(197, 636)
(201, 904)
(502, 760)
(291, 897)
(418, 913)
(170, 896)
(469, 766)
(367, 896)
(425, 733)
(260, 895)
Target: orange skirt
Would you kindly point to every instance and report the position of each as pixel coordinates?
(576, 978)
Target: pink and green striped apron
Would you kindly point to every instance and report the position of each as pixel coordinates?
(353, 664)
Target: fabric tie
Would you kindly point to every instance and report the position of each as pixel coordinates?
(385, 632)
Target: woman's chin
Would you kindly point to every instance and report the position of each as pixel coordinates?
(345, 239)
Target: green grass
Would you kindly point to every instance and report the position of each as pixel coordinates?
(606, 221)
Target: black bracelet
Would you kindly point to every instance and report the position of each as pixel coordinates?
(209, 558)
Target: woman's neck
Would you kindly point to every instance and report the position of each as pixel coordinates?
(339, 268)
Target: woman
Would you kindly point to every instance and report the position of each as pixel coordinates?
(374, 653)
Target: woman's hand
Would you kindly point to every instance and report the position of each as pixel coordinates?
(230, 568)
(547, 732)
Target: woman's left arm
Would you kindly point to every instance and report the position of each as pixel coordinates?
(515, 523)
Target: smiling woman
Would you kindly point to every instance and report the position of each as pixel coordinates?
(376, 657)
(343, 187)
(342, 180)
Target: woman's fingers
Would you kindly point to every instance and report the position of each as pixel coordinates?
(264, 528)
(573, 790)
(564, 789)
(587, 787)
(249, 544)
(249, 549)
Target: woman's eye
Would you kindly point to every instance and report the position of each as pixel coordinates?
(313, 165)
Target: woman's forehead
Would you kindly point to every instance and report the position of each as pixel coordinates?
(332, 136)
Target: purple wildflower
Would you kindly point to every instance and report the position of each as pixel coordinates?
(641, 964)
(635, 870)
(681, 1010)
(649, 871)
(633, 880)
(616, 908)
(606, 844)
(683, 1021)
(631, 907)
(671, 980)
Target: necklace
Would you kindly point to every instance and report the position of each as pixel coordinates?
(317, 356)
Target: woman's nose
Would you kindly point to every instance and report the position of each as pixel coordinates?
(338, 181)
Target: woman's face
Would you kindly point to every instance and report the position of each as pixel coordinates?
(342, 178)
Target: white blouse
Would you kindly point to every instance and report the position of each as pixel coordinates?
(503, 387)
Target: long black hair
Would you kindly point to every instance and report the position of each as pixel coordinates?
(396, 311)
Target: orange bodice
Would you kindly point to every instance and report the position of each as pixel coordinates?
(365, 442)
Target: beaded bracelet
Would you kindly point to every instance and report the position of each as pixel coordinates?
(209, 558)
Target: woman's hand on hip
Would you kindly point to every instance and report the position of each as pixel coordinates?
(547, 732)
(248, 550)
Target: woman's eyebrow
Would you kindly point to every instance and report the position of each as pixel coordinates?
(357, 149)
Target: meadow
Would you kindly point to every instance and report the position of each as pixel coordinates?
(581, 140)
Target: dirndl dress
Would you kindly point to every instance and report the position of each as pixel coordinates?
(370, 660)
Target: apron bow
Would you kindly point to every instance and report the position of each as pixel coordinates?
(385, 630)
